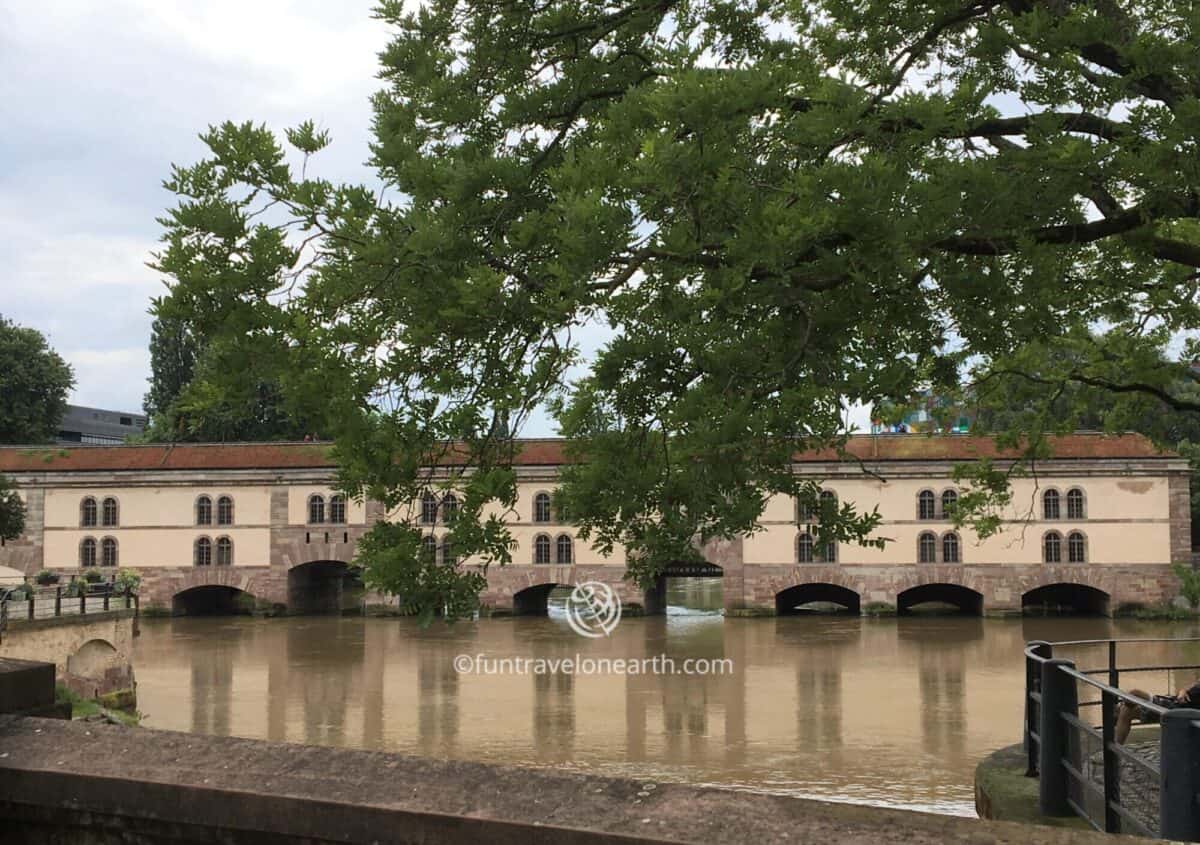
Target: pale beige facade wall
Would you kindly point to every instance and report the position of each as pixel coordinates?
(1126, 521)
(1128, 516)
(157, 524)
(164, 506)
(137, 547)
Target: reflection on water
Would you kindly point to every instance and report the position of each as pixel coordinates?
(893, 712)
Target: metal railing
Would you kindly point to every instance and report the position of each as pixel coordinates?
(1149, 787)
(79, 599)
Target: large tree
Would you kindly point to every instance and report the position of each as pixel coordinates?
(191, 398)
(34, 382)
(775, 207)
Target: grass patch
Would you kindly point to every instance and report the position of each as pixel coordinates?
(82, 707)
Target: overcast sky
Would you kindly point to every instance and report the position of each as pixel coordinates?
(96, 102)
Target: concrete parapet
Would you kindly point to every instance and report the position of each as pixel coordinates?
(135, 785)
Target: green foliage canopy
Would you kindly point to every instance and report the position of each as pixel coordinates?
(12, 510)
(34, 382)
(774, 207)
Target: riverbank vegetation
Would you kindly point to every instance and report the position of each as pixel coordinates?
(114, 707)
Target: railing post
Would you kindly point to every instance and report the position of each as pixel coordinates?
(58, 601)
(1033, 683)
(1114, 675)
(32, 604)
(83, 591)
(1059, 696)
(107, 593)
(1112, 763)
(1179, 776)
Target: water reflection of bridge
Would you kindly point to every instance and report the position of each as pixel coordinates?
(371, 683)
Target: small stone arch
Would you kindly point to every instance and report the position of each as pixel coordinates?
(790, 600)
(97, 667)
(964, 599)
(1067, 597)
(93, 658)
(212, 600)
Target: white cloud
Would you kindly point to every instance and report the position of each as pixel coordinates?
(97, 100)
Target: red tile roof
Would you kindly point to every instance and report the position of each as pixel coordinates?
(209, 456)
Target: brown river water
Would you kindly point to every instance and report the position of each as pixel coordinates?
(893, 712)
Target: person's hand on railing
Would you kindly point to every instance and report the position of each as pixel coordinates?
(1184, 696)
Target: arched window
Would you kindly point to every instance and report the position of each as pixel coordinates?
(1075, 504)
(541, 507)
(950, 548)
(108, 552)
(337, 509)
(429, 548)
(927, 547)
(448, 557)
(804, 547)
(224, 551)
(109, 514)
(449, 508)
(541, 549)
(831, 552)
(316, 508)
(563, 548)
(1052, 547)
(225, 510)
(1076, 547)
(806, 511)
(428, 508)
(87, 552)
(949, 503)
(87, 512)
(1050, 505)
(204, 511)
(829, 503)
(202, 552)
(926, 505)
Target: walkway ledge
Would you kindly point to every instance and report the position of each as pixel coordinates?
(69, 782)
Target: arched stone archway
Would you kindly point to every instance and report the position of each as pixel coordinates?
(212, 600)
(533, 600)
(793, 599)
(1067, 597)
(964, 599)
(323, 586)
(96, 668)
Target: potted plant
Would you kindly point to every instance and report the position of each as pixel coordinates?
(45, 578)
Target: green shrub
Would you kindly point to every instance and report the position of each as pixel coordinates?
(129, 580)
(91, 576)
(1189, 583)
(46, 577)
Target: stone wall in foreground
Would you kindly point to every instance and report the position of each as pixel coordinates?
(71, 782)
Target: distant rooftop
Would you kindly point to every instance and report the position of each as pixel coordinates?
(539, 452)
(83, 426)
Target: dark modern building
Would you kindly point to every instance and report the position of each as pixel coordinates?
(98, 427)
